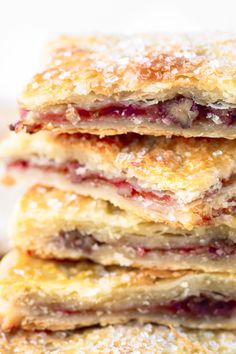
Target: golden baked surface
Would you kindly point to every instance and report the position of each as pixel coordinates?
(27, 271)
(156, 84)
(120, 339)
(159, 66)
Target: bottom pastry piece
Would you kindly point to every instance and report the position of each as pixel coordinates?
(38, 295)
(120, 339)
(56, 224)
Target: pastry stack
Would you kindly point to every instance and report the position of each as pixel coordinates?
(133, 217)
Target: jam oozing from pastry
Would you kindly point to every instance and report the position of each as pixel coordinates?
(74, 239)
(180, 111)
(195, 307)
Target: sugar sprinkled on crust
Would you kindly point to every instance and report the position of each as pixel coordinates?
(132, 338)
(140, 67)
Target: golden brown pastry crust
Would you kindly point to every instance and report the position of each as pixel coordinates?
(91, 71)
(36, 294)
(199, 173)
(120, 339)
(55, 224)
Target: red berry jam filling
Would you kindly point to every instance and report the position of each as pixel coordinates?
(124, 187)
(180, 111)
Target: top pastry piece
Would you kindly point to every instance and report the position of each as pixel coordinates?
(156, 85)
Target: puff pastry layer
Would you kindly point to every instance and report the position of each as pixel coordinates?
(156, 85)
(37, 294)
(55, 224)
(182, 182)
(120, 339)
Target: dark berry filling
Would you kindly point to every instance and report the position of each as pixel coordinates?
(200, 306)
(74, 239)
(195, 307)
(215, 249)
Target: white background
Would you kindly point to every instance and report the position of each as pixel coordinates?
(25, 25)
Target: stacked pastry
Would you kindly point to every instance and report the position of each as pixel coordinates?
(131, 141)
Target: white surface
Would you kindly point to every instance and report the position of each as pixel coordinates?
(8, 196)
(26, 25)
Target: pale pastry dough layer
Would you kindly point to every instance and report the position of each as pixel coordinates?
(109, 235)
(111, 127)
